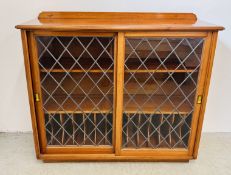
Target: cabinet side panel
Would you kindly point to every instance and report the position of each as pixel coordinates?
(30, 90)
(37, 89)
(206, 88)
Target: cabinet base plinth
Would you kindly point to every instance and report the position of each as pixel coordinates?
(111, 158)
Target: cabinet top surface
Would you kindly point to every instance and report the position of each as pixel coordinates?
(117, 21)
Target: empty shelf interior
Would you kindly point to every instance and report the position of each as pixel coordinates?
(180, 53)
(61, 53)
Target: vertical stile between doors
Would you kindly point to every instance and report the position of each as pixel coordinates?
(114, 135)
(119, 91)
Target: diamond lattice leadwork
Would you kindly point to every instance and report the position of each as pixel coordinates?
(159, 90)
(77, 89)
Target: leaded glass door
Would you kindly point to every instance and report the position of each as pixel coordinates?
(76, 74)
(161, 77)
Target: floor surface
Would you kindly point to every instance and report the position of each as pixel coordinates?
(17, 157)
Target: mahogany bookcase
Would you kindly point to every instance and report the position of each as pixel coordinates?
(116, 86)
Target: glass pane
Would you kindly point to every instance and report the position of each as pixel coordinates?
(77, 89)
(159, 91)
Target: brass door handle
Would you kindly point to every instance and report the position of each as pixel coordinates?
(36, 96)
(199, 99)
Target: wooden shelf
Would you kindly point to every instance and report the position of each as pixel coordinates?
(77, 70)
(151, 86)
(126, 71)
(132, 87)
(87, 106)
(68, 62)
(155, 66)
(162, 51)
(150, 66)
(132, 107)
(133, 69)
(152, 105)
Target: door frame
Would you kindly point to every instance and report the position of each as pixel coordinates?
(200, 91)
(38, 106)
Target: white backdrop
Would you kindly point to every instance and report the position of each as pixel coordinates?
(14, 106)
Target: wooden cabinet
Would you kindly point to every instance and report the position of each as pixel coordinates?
(117, 86)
